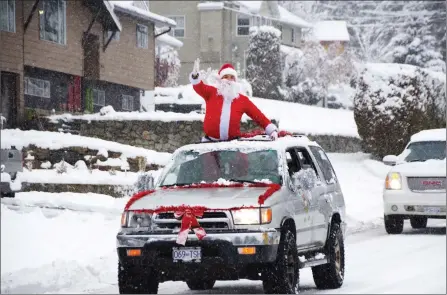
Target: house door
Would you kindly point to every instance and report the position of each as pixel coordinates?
(8, 107)
(91, 56)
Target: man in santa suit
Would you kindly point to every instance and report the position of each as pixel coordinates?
(225, 106)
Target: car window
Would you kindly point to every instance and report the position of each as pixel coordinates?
(305, 160)
(325, 164)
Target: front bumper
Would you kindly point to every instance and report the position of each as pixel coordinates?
(409, 203)
(220, 256)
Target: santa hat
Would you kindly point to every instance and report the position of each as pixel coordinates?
(227, 69)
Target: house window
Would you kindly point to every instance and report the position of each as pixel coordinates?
(37, 87)
(142, 36)
(292, 38)
(179, 30)
(127, 104)
(243, 25)
(8, 16)
(107, 35)
(99, 97)
(53, 25)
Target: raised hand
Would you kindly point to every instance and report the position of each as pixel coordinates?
(196, 69)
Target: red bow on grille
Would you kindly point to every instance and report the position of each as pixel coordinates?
(189, 221)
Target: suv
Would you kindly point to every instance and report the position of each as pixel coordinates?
(415, 186)
(243, 209)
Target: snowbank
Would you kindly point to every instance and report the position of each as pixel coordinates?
(56, 140)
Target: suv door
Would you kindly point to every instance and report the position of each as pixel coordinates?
(295, 203)
(306, 162)
(330, 199)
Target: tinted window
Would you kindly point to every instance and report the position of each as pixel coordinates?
(324, 163)
(426, 150)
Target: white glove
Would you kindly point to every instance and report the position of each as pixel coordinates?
(196, 68)
(274, 135)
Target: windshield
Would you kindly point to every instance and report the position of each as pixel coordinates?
(425, 150)
(192, 167)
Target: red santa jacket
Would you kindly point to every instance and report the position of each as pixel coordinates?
(223, 117)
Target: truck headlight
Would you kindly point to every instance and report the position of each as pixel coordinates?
(133, 219)
(252, 216)
(393, 181)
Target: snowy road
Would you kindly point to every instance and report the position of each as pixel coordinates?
(73, 251)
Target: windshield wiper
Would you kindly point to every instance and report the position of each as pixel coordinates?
(175, 184)
(417, 160)
(243, 180)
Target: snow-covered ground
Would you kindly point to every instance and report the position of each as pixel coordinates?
(73, 250)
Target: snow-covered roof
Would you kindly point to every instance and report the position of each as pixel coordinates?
(280, 144)
(253, 7)
(334, 30)
(210, 6)
(109, 7)
(167, 39)
(430, 135)
(129, 8)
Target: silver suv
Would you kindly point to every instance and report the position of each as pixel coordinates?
(245, 209)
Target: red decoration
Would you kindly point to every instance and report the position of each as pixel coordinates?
(258, 132)
(189, 221)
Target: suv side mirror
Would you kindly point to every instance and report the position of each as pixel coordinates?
(145, 182)
(305, 179)
(390, 160)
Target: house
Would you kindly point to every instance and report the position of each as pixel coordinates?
(331, 32)
(77, 56)
(218, 32)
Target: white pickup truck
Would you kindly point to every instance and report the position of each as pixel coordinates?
(246, 209)
(415, 187)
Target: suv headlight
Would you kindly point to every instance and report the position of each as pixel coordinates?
(393, 181)
(132, 219)
(252, 216)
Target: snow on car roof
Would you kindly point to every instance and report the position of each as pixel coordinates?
(254, 143)
(429, 135)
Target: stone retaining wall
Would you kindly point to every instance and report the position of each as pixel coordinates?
(116, 191)
(167, 136)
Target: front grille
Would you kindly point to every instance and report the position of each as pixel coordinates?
(420, 184)
(209, 220)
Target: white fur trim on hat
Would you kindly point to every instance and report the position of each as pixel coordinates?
(228, 71)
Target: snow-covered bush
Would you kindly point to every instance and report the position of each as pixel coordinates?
(167, 66)
(392, 102)
(264, 62)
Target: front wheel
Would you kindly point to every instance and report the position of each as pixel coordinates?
(136, 280)
(283, 277)
(331, 275)
(200, 284)
(394, 224)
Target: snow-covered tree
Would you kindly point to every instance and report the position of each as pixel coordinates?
(264, 71)
(391, 105)
(309, 73)
(167, 66)
(378, 28)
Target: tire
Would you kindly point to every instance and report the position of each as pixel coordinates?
(331, 275)
(418, 222)
(200, 285)
(8, 195)
(284, 276)
(136, 281)
(393, 224)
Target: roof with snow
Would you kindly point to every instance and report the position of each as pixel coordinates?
(334, 30)
(167, 39)
(210, 6)
(285, 16)
(129, 7)
(430, 135)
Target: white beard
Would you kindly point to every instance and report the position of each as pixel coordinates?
(228, 89)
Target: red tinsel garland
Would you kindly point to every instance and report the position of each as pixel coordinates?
(189, 214)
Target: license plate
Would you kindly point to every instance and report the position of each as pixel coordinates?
(432, 209)
(187, 254)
